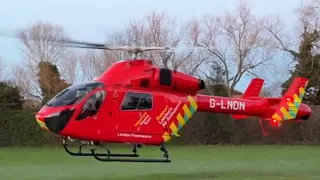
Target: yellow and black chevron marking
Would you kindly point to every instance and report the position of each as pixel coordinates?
(293, 107)
(182, 119)
(41, 124)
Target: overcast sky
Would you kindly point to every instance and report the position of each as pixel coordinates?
(92, 19)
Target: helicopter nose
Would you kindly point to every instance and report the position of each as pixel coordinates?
(40, 122)
(55, 122)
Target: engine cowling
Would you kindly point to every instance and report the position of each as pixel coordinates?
(177, 81)
(143, 74)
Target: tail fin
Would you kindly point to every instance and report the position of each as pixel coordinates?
(253, 90)
(291, 100)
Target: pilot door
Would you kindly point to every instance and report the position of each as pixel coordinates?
(90, 108)
(135, 108)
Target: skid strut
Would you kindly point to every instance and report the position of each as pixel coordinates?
(110, 157)
(80, 153)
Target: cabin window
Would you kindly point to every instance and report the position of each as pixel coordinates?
(134, 101)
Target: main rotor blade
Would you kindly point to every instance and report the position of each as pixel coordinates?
(88, 45)
(67, 41)
(131, 49)
(79, 46)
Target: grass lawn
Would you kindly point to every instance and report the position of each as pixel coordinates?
(188, 163)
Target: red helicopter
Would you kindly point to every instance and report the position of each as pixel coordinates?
(137, 103)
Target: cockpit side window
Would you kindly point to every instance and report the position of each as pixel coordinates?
(92, 105)
(134, 101)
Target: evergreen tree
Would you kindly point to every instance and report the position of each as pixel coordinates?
(10, 96)
(308, 66)
(217, 74)
(49, 80)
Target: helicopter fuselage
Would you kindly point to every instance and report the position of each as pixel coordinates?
(135, 102)
(124, 116)
(132, 101)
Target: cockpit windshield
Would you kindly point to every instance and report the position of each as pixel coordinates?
(73, 94)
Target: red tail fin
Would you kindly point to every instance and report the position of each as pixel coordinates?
(253, 90)
(291, 100)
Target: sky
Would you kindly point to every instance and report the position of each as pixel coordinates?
(92, 20)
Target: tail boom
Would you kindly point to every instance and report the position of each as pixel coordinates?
(289, 107)
(235, 106)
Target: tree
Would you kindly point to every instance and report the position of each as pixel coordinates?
(307, 65)
(40, 42)
(306, 57)
(94, 63)
(68, 67)
(216, 74)
(40, 45)
(2, 67)
(49, 80)
(158, 29)
(237, 40)
(271, 90)
(10, 96)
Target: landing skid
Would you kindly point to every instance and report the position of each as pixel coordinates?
(109, 157)
(80, 153)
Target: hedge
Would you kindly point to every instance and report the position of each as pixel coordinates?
(19, 128)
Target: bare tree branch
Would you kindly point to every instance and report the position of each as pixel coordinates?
(308, 20)
(68, 67)
(2, 68)
(39, 42)
(238, 41)
(26, 80)
(157, 29)
(38, 45)
(94, 63)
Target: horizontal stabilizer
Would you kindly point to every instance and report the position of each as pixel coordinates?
(254, 88)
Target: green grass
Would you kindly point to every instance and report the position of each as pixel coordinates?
(189, 163)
